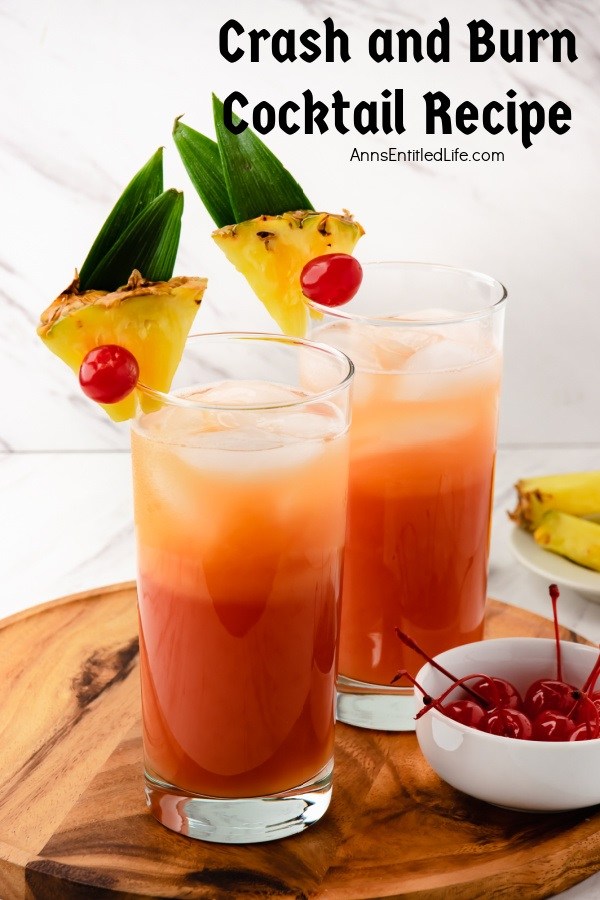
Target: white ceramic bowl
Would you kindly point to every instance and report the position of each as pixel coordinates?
(530, 775)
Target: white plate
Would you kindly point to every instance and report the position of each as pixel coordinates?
(553, 567)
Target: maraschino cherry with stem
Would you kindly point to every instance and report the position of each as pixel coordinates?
(499, 720)
(412, 645)
(493, 704)
(580, 723)
(468, 712)
(488, 692)
(550, 693)
(560, 711)
(586, 712)
(437, 702)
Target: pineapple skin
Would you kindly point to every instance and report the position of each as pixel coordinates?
(150, 319)
(271, 251)
(577, 493)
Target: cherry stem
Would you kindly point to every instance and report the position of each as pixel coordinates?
(577, 697)
(427, 698)
(459, 682)
(412, 645)
(592, 677)
(554, 595)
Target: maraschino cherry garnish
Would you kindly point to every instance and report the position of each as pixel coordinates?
(331, 280)
(108, 373)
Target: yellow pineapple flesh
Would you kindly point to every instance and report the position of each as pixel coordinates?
(576, 539)
(271, 251)
(150, 319)
(576, 493)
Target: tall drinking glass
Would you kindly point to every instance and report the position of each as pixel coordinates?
(240, 483)
(426, 343)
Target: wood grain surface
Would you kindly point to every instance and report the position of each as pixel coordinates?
(73, 820)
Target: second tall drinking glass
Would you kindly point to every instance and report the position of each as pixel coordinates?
(426, 344)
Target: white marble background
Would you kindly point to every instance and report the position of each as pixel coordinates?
(89, 90)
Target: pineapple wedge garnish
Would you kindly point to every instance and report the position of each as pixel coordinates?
(266, 225)
(271, 251)
(150, 319)
(150, 315)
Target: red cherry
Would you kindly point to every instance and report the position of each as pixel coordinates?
(547, 693)
(108, 373)
(552, 726)
(586, 711)
(332, 279)
(467, 712)
(584, 732)
(507, 723)
(498, 692)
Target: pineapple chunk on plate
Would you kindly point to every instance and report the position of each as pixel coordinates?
(554, 568)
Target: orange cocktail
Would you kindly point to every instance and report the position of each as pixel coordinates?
(240, 518)
(423, 442)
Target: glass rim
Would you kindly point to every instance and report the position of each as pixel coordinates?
(338, 312)
(172, 399)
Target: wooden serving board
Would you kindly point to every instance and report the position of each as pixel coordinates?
(73, 820)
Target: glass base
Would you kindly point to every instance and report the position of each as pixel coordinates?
(377, 706)
(249, 820)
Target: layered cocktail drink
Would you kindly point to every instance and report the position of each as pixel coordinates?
(240, 484)
(426, 343)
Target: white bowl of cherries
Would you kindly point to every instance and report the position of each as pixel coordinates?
(514, 721)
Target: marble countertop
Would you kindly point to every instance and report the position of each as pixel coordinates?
(67, 526)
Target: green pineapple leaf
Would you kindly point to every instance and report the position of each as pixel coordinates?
(143, 188)
(257, 183)
(149, 244)
(202, 161)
